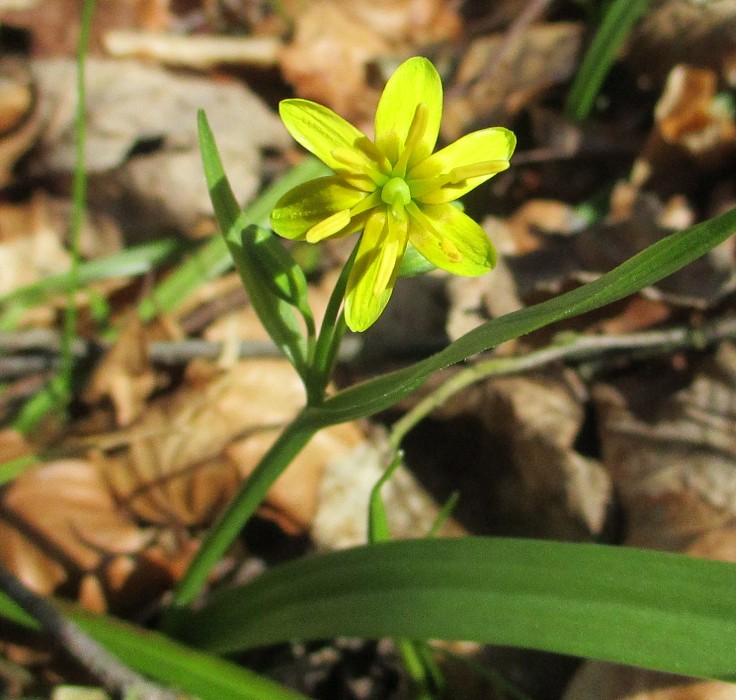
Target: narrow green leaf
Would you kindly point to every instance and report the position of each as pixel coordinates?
(378, 528)
(644, 269)
(661, 611)
(159, 657)
(620, 17)
(169, 662)
(10, 610)
(13, 468)
(133, 261)
(279, 272)
(277, 316)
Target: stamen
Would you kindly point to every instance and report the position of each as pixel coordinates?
(373, 199)
(329, 226)
(385, 266)
(486, 167)
(364, 157)
(416, 133)
(371, 150)
(356, 169)
(420, 188)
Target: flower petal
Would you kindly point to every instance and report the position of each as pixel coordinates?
(312, 202)
(482, 148)
(415, 81)
(450, 239)
(323, 132)
(374, 273)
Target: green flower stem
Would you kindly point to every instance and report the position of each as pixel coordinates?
(291, 441)
(58, 393)
(331, 333)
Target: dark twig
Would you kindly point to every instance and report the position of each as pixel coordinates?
(26, 352)
(115, 676)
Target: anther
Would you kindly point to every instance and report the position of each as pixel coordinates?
(329, 226)
(416, 132)
(486, 167)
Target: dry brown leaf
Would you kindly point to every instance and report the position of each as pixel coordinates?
(634, 224)
(20, 121)
(13, 445)
(671, 451)
(175, 469)
(55, 25)
(489, 91)
(342, 510)
(130, 104)
(511, 452)
(336, 40)
(125, 374)
(190, 452)
(597, 680)
(694, 133)
(682, 31)
(671, 454)
(59, 520)
(30, 244)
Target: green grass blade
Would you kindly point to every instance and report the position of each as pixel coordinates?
(134, 261)
(662, 611)
(10, 610)
(159, 657)
(644, 269)
(615, 27)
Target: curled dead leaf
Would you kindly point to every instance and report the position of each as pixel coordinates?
(125, 374)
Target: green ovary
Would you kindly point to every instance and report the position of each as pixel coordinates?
(396, 193)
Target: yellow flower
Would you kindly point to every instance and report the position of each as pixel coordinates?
(394, 189)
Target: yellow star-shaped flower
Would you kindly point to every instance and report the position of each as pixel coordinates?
(394, 189)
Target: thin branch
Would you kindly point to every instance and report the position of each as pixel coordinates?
(115, 676)
(580, 349)
(27, 352)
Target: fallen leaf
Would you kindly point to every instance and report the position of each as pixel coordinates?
(30, 244)
(600, 248)
(597, 680)
(341, 518)
(20, 121)
(59, 520)
(489, 91)
(124, 375)
(670, 449)
(702, 34)
(334, 43)
(509, 446)
(694, 134)
(132, 105)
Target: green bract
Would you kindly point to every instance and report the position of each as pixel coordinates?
(394, 189)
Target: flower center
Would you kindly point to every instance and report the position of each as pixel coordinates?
(396, 193)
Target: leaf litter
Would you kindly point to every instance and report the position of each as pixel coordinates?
(627, 449)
